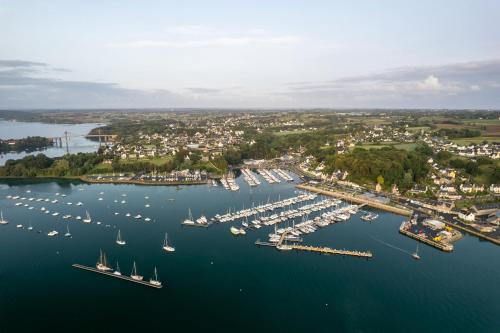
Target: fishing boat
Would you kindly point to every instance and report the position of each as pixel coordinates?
(166, 247)
(189, 220)
(2, 220)
(119, 239)
(87, 219)
(102, 264)
(67, 234)
(154, 280)
(134, 274)
(415, 254)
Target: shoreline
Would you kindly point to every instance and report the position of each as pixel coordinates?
(86, 180)
(345, 196)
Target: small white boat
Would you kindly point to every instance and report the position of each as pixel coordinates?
(147, 219)
(69, 203)
(2, 220)
(166, 247)
(117, 271)
(30, 227)
(189, 220)
(127, 215)
(116, 213)
(55, 214)
(53, 233)
(123, 202)
(235, 231)
(100, 199)
(154, 280)
(67, 234)
(87, 219)
(102, 264)
(19, 226)
(415, 254)
(147, 205)
(138, 217)
(78, 217)
(79, 203)
(134, 274)
(119, 239)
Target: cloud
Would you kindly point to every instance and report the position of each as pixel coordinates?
(22, 85)
(462, 85)
(196, 90)
(430, 83)
(218, 41)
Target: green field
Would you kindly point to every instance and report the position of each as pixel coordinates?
(404, 146)
(479, 139)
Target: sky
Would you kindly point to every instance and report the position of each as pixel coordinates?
(249, 54)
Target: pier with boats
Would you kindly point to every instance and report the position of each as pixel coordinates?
(103, 269)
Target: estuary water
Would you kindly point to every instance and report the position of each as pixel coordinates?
(77, 142)
(216, 282)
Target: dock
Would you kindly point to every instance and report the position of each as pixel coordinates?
(200, 225)
(357, 199)
(438, 245)
(110, 274)
(328, 250)
(318, 249)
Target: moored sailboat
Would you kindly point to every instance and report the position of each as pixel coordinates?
(2, 220)
(119, 239)
(154, 280)
(134, 274)
(166, 247)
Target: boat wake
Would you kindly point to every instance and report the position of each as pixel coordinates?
(389, 245)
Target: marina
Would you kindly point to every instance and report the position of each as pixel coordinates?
(207, 257)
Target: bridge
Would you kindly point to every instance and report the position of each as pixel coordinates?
(67, 136)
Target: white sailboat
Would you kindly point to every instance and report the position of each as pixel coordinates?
(154, 280)
(119, 239)
(189, 220)
(134, 274)
(2, 220)
(166, 247)
(415, 254)
(67, 234)
(87, 219)
(102, 264)
(117, 271)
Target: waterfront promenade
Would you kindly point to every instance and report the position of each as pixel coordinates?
(356, 199)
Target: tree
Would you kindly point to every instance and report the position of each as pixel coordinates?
(380, 180)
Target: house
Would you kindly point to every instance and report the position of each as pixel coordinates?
(466, 215)
(495, 188)
(468, 188)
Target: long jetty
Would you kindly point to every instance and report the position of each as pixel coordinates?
(328, 250)
(318, 249)
(122, 277)
(356, 199)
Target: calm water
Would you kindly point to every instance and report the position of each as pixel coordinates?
(215, 282)
(76, 144)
